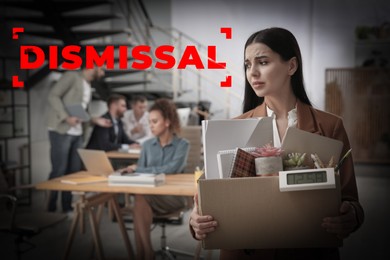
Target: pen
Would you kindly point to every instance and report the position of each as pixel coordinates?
(342, 160)
(316, 162)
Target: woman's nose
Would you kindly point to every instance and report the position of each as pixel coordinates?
(254, 71)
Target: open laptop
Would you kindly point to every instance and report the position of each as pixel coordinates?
(96, 162)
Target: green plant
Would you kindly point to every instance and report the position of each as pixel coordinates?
(294, 160)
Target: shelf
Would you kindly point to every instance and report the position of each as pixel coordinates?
(8, 106)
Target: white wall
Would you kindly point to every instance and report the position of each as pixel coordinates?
(324, 29)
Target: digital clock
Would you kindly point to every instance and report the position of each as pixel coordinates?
(311, 179)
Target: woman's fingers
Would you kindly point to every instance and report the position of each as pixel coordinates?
(201, 224)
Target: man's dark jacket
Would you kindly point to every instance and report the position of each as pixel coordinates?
(104, 138)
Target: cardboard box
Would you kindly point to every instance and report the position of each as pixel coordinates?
(252, 213)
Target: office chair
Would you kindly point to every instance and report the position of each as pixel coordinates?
(23, 225)
(173, 218)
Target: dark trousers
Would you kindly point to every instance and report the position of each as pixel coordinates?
(64, 160)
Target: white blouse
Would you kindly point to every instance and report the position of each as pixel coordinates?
(292, 122)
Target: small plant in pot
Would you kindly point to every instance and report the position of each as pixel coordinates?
(295, 161)
(268, 160)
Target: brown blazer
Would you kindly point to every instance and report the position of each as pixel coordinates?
(325, 124)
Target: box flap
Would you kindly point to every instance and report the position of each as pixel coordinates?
(299, 141)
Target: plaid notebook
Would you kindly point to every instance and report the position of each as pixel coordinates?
(243, 165)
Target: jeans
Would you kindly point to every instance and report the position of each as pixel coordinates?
(64, 160)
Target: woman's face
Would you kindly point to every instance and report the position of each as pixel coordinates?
(157, 123)
(266, 72)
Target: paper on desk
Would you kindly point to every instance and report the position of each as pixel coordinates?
(130, 150)
(77, 180)
(136, 179)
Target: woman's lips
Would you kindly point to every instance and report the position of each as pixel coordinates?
(258, 84)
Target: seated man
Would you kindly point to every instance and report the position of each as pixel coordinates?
(114, 137)
(136, 120)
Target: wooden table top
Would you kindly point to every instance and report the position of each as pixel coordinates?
(176, 184)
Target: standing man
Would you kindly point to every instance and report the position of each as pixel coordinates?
(136, 120)
(114, 137)
(66, 131)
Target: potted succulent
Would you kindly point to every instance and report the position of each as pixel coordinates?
(294, 161)
(268, 160)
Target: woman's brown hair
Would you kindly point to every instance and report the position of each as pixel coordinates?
(168, 111)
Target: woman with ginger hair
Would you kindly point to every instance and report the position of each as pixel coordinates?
(165, 153)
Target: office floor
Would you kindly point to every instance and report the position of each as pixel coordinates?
(372, 241)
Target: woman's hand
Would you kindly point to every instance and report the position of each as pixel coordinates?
(344, 224)
(131, 168)
(128, 169)
(202, 225)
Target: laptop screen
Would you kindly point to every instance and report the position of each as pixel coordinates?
(96, 162)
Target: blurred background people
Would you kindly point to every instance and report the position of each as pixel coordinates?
(136, 120)
(66, 131)
(114, 137)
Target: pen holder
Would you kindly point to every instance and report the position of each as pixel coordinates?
(268, 165)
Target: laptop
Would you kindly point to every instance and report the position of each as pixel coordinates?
(96, 162)
(77, 110)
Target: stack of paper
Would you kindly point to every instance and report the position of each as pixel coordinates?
(134, 151)
(136, 179)
(77, 180)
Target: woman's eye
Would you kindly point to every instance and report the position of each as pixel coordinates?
(247, 66)
(263, 62)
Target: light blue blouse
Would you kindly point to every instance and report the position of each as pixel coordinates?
(171, 158)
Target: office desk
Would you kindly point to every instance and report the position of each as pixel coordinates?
(176, 184)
